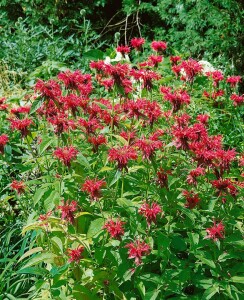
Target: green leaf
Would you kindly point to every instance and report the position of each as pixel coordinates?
(33, 271)
(58, 243)
(116, 177)
(206, 261)
(83, 161)
(95, 227)
(30, 252)
(94, 54)
(36, 104)
(38, 195)
(178, 243)
(46, 142)
(210, 292)
(39, 258)
(237, 279)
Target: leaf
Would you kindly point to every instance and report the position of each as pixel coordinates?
(237, 279)
(30, 252)
(36, 104)
(58, 243)
(39, 258)
(95, 227)
(33, 271)
(206, 261)
(45, 144)
(105, 169)
(210, 292)
(178, 243)
(83, 161)
(49, 202)
(94, 54)
(38, 195)
(116, 177)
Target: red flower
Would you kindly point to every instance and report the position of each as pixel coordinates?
(50, 89)
(3, 141)
(137, 250)
(68, 210)
(237, 99)
(20, 110)
(148, 146)
(137, 43)
(216, 76)
(159, 46)
(114, 228)
(75, 254)
(96, 141)
(224, 186)
(215, 232)
(18, 186)
(233, 80)
(192, 177)
(162, 178)
(203, 118)
(66, 154)
(44, 217)
(21, 125)
(122, 155)
(175, 59)
(150, 212)
(191, 68)
(191, 198)
(177, 99)
(93, 188)
(123, 50)
(155, 60)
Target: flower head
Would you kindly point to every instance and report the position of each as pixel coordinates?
(93, 188)
(18, 186)
(216, 232)
(150, 212)
(122, 155)
(123, 50)
(66, 154)
(233, 80)
(159, 46)
(137, 43)
(114, 228)
(75, 254)
(137, 250)
(22, 125)
(3, 141)
(67, 210)
(192, 199)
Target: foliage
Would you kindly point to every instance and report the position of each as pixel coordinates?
(100, 167)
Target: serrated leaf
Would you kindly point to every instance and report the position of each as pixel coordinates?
(95, 227)
(206, 261)
(210, 292)
(36, 104)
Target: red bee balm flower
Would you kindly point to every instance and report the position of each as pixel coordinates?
(66, 154)
(114, 228)
(122, 155)
(159, 46)
(215, 232)
(191, 198)
(93, 188)
(68, 210)
(123, 50)
(3, 142)
(137, 250)
(18, 186)
(137, 43)
(150, 213)
(21, 125)
(75, 254)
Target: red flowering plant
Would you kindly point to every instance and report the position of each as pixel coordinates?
(150, 160)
